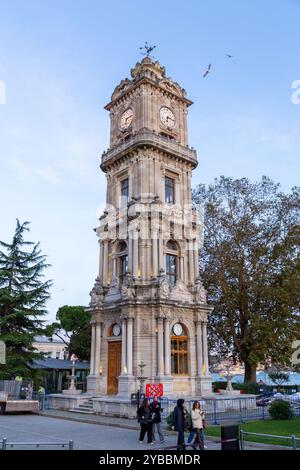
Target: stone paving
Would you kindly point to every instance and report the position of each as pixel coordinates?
(86, 436)
(89, 432)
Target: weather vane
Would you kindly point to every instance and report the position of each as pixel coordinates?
(147, 49)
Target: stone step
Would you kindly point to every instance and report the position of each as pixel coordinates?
(77, 410)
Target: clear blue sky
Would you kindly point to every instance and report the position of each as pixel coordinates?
(60, 61)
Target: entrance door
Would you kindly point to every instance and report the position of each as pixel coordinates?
(113, 367)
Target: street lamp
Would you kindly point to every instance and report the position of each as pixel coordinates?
(141, 378)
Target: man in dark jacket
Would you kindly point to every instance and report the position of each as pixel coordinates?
(156, 410)
(179, 423)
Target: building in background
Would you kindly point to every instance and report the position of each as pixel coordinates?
(53, 348)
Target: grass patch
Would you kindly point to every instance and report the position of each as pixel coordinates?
(269, 426)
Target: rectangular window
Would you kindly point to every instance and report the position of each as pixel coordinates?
(169, 190)
(125, 189)
(171, 269)
(179, 356)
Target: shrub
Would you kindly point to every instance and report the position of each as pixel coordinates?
(281, 409)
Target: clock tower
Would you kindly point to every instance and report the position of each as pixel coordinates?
(148, 303)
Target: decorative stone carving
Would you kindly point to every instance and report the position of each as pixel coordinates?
(180, 292)
(164, 288)
(96, 294)
(145, 326)
(128, 287)
(200, 292)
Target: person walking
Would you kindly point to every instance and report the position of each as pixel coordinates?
(179, 423)
(156, 410)
(145, 419)
(198, 418)
(41, 397)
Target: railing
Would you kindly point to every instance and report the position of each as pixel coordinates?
(228, 409)
(6, 445)
(293, 439)
(150, 138)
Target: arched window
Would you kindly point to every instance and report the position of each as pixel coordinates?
(172, 262)
(122, 259)
(179, 350)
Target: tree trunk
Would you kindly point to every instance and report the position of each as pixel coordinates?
(250, 372)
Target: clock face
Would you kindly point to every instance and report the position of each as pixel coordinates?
(167, 117)
(126, 118)
(116, 329)
(177, 328)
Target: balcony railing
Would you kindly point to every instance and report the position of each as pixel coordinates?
(148, 138)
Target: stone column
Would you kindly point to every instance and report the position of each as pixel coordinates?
(105, 262)
(196, 258)
(114, 268)
(154, 255)
(135, 254)
(160, 346)
(92, 362)
(191, 262)
(167, 347)
(161, 264)
(124, 347)
(97, 348)
(199, 348)
(129, 345)
(143, 260)
(100, 261)
(130, 252)
(181, 269)
(205, 349)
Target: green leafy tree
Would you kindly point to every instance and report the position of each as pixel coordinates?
(23, 296)
(73, 328)
(250, 267)
(279, 378)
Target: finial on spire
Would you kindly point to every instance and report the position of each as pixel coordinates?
(147, 49)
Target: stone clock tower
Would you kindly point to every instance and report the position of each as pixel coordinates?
(148, 303)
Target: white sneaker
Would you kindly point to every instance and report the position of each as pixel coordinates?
(141, 442)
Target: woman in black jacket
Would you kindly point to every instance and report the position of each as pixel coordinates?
(179, 423)
(145, 419)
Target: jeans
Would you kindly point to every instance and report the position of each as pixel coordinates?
(191, 436)
(199, 438)
(146, 428)
(41, 402)
(158, 427)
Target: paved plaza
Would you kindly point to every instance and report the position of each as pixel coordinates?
(32, 428)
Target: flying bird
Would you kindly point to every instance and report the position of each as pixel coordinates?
(229, 56)
(207, 71)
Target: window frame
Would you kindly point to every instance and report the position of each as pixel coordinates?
(125, 194)
(169, 189)
(182, 355)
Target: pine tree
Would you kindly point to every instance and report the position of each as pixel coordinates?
(23, 296)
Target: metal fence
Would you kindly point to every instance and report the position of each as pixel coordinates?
(231, 409)
(294, 442)
(12, 445)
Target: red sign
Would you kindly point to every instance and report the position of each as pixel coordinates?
(153, 390)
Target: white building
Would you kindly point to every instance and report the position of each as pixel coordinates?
(53, 348)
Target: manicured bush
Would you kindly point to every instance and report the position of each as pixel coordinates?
(281, 409)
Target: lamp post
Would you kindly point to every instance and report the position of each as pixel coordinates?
(141, 378)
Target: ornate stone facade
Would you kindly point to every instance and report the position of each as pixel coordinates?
(148, 302)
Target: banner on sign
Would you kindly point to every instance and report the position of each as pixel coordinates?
(154, 390)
